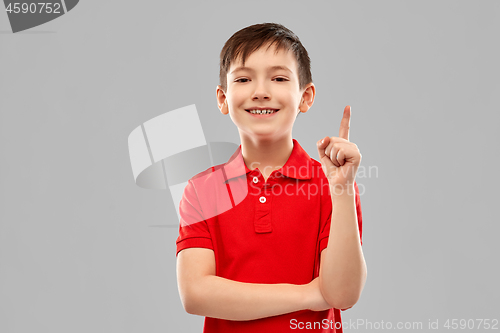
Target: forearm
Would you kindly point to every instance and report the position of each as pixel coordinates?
(343, 270)
(218, 297)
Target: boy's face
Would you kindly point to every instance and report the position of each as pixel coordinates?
(259, 85)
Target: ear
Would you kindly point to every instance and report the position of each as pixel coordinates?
(221, 100)
(307, 98)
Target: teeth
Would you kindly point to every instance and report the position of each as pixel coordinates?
(262, 111)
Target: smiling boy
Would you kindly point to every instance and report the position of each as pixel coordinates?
(288, 255)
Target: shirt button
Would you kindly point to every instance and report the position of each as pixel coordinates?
(262, 199)
(255, 179)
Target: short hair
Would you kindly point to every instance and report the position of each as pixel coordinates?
(247, 40)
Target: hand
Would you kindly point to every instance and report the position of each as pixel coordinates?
(340, 158)
(314, 298)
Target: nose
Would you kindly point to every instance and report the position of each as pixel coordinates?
(261, 92)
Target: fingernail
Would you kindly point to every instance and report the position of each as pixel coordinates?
(322, 140)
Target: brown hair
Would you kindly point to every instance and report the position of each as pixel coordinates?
(247, 40)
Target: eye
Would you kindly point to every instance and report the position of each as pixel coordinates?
(239, 80)
(281, 78)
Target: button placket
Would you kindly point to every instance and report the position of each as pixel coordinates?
(262, 222)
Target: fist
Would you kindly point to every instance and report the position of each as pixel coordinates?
(339, 157)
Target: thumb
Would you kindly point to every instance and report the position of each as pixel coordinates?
(322, 144)
(325, 161)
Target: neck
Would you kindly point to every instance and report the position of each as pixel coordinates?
(266, 155)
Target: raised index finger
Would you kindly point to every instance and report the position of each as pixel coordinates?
(344, 124)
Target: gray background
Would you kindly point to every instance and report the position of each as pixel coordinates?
(84, 249)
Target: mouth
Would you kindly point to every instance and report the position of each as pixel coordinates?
(262, 113)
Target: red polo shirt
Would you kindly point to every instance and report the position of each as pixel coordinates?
(263, 232)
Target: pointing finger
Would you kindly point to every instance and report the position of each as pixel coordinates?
(344, 124)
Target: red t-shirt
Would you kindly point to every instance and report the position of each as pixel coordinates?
(263, 232)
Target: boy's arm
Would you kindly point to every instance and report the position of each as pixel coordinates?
(205, 294)
(342, 270)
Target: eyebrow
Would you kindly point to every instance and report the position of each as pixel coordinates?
(270, 68)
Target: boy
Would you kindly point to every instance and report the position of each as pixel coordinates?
(271, 240)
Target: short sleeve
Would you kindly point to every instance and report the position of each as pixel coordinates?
(193, 228)
(326, 217)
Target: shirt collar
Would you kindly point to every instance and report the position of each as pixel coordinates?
(297, 166)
